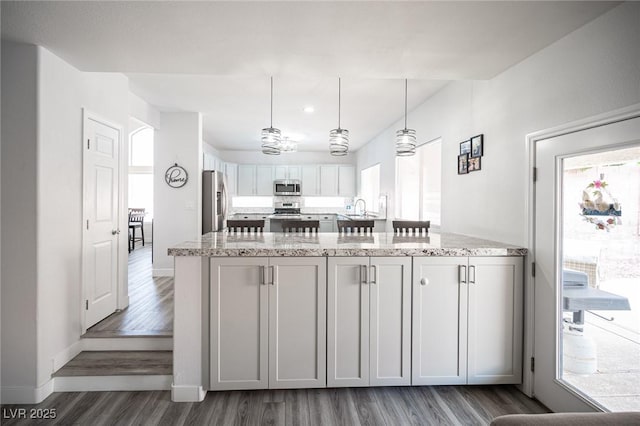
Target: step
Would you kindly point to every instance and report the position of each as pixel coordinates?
(131, 343)
(116, 371)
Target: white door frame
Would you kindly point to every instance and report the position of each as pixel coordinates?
(122, 287)
(531, 139)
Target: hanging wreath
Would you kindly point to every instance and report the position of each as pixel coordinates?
(595, 210)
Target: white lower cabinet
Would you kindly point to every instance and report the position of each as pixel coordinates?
(268, 323)
(467, 320)
(369, 321)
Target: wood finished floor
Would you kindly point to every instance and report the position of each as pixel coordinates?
(118, 363)
(423, 405)
(150, 311)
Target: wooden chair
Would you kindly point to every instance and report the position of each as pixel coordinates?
(300, 226)
(136, 217)
(411, 226)
(249, 225)
(355, 226)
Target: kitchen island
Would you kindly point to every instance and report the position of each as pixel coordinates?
(275, 310)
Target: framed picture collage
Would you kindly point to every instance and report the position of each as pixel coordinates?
(471, 152)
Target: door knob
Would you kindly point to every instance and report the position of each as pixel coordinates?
(115, 231)
(424, 281)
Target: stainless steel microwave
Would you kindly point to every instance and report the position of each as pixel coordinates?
(287, 187)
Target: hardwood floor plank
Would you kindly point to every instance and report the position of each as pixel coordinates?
(419, 405)
(118, 363)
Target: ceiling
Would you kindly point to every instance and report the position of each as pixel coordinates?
(216, 57)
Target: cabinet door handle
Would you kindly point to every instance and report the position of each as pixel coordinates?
(472, 268)
(273, 274)
(262, 278)
(462, 274)
(363, 274)
(374, 274)
(424, 281)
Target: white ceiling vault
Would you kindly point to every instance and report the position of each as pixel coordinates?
(216, 57)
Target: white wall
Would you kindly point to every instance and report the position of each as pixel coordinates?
(63, 92)
(19, 186)
(294, 158)
(43, 163)
(590, 71)
(177, 211)
(141, 110)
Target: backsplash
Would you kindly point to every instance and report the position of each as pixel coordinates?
(317, 204)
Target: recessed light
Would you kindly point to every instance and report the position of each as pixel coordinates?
(309, 109)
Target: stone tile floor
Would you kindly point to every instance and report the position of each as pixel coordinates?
(616, 383)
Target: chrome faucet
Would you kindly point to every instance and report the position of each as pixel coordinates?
(364, 206)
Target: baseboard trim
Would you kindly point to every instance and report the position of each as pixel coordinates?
(27, 394)
(162, 272)
(182, 393)
(112, 383)
(127, 344)
(66, 355)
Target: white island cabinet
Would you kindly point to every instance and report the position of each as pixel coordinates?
(467, 320)
(268, 323)
(369, 321)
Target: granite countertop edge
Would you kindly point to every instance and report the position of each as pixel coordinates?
(329, 245)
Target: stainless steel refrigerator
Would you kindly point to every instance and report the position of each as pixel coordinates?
(214, 201)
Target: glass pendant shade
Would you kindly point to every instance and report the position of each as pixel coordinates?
(339, 142)
(339, 138)
(271, 141)
(405, 138)
(287, 146)
(405, 142)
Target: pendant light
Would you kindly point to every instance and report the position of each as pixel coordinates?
(405, 138)
(271, 137)
(339, 138)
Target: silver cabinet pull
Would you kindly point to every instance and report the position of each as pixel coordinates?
(273, 274)
(374, 274)
(363, 274)
(262, 278)
(472, 268)
(424, 281)
(462, 274)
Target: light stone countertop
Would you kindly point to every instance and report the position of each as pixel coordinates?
(221, 244)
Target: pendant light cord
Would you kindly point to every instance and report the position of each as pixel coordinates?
(405, 104)
(271, 119)
(339, 98)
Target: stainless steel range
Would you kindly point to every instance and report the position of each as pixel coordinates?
(283, 211)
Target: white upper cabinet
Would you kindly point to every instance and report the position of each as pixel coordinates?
(246, 179)
(329, 180)
(264, 180)
(346, 181)
(255, 180)
(310, 175)
(287, 172)
(231, 173)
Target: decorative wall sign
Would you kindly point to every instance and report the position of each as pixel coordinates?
(176, 176)
(604, 214)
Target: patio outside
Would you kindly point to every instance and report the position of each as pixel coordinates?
(603, 360)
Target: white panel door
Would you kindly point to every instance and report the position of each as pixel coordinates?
(390, 321)
(297, 322)
(329, 180)
(495, 320)
(239, 323)
(346, 181)
(231, 172)
(100, 237)
(246, 179)
(439, 321)
(348, 322)
(310, 182)
(264, 180)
